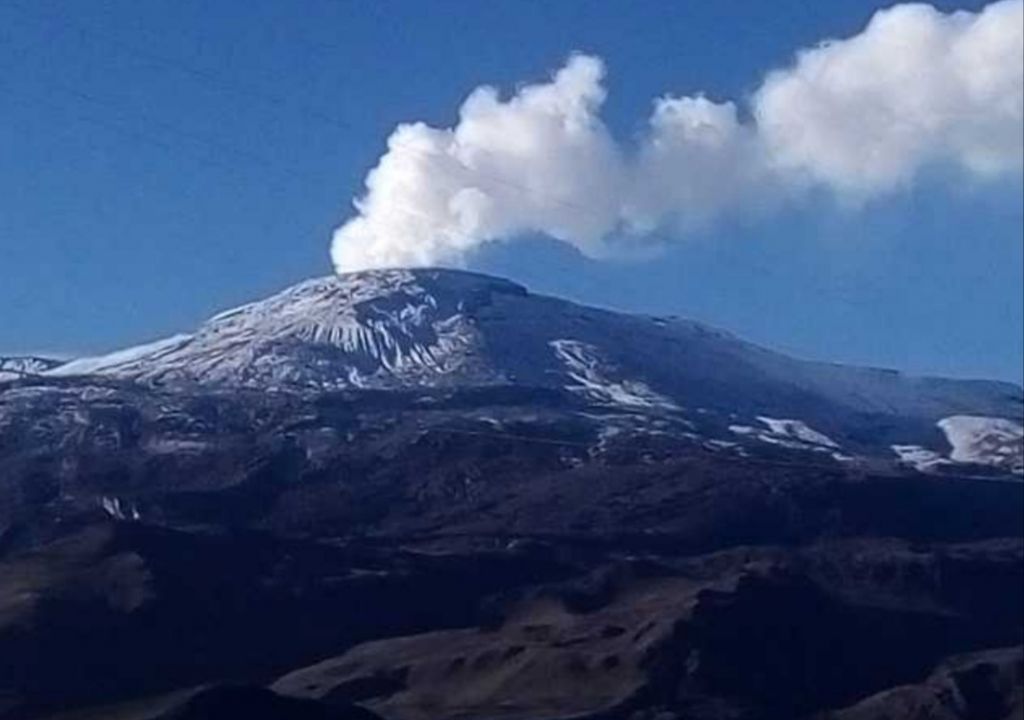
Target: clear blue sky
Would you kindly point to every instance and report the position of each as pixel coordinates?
(161, 160)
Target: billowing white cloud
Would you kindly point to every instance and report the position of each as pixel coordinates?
(860, 117)
(864, 115)
(696, 161)
(542, 161)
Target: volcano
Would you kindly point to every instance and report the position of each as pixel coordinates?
(415, 329)
(419, 494)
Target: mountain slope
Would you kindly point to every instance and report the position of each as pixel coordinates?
(400, 329)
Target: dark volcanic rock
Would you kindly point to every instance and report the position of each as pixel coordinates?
(219, 703)
(751, 633)
(987, 685)
(122, 608)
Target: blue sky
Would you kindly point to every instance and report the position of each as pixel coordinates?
(162, 160)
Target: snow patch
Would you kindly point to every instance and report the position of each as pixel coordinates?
(725, 446)
(994, 441)
(791, 434)
(174, 446)
(919, 457)
(112, 361)
(117, 510)
(584, 365)
(798, 430)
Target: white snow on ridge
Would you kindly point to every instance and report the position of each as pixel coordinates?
(434, 328)
(326, 332)
(24, 365)
(111, 361)
(985, 440)
(584, 365)
(798, 430)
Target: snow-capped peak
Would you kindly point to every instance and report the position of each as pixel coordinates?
(390, 329)
(369, 328)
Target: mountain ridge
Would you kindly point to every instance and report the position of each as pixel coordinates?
(434, 328)
(15, 366)
(377, 285)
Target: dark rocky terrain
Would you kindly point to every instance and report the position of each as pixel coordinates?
(465, 538)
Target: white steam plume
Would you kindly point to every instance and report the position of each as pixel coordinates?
(860, 117)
